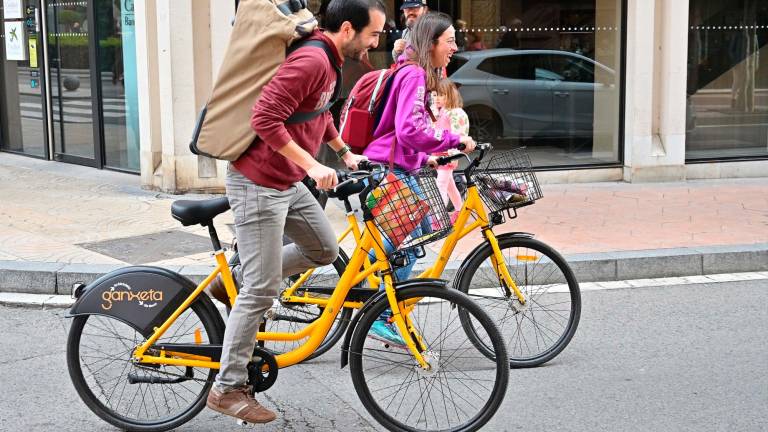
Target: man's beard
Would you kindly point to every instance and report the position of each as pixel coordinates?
(354, 51)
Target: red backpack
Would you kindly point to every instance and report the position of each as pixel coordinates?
(361, 114)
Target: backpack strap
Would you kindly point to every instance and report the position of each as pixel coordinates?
(376, 90)
(385, 95)
(301, 117)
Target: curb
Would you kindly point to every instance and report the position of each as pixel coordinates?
(57, 278)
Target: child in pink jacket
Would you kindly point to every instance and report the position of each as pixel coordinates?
(450, 117)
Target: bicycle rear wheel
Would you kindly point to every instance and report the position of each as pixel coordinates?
(463, 389)
(538, 331)
(134, 397)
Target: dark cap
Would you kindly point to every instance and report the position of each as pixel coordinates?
(413, 4)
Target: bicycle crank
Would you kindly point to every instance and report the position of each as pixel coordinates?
(262, 370)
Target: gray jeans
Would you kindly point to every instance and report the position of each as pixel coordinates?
(261, 216)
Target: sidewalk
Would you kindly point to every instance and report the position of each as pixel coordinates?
(63, 223)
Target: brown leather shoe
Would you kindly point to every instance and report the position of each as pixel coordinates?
(217, 290)
(239, 403)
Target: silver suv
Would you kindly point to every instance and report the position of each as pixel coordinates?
(524, 94)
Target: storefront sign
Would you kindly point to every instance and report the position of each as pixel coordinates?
(33, 52)
(15, 41)
(13, 9)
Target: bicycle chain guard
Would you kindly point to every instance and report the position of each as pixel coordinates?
(262, 370)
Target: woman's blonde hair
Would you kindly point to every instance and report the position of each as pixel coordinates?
(447, 88)
(424, 36)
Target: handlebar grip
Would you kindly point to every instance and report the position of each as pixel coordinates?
(343, 183)
(365, 165)
(445, 160)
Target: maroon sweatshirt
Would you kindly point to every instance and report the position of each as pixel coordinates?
(304, 82)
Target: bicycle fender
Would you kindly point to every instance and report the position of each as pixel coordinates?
(140, 296)
(439, 283)
(480, 248)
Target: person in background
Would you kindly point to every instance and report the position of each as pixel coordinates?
(451, 116)
(476, 41)
(412, 10)
(511, 38)
(461, 35)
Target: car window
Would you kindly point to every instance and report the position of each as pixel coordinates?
(488, 65)
(547, 75)
(510, 67)
(455, 64)
(573, 69)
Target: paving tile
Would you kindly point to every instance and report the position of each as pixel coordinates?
(113, 212)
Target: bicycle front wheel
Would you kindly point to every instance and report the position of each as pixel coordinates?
(132, 396)
(463, 388)
(537, 331)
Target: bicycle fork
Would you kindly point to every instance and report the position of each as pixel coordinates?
(401, 318)
(500, 267)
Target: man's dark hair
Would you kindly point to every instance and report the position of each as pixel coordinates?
(357, 12)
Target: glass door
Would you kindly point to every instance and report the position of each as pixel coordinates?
(22, 83)
(71, 53)
(118, 83)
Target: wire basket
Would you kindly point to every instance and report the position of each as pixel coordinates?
(408, 210)
(507, 181)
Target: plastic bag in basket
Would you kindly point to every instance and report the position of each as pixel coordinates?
(398, 211)
(504, 191)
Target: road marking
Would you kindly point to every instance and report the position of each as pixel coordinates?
(65, 301)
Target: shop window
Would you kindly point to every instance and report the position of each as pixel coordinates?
(727, 92)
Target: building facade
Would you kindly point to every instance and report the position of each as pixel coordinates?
(597, 90)
(68, 82)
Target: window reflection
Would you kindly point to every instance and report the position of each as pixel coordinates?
(727, 105)
(542, 74)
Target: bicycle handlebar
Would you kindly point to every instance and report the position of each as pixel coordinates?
(483, 147)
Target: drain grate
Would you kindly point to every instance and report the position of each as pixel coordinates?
(148, 248)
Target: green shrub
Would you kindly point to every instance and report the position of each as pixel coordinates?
(69, 17)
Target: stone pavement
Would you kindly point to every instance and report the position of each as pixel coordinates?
(62, 223)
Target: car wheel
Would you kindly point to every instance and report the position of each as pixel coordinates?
(484, 123)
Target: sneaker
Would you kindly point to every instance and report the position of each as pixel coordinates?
(239, 403)
(386, 332)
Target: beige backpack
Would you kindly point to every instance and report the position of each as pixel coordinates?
(265, 31)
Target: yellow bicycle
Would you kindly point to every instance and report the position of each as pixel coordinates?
(145, 342)
(525, 285)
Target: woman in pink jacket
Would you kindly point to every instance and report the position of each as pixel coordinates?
(406, 133)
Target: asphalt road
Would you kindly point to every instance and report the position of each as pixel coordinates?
(673, 358)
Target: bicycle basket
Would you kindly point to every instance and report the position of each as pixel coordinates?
(408, 210)
(507, 181)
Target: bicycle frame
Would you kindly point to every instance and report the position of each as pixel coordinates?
(316, 331)
(473, 205)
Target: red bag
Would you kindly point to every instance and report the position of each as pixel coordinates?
(397, 209)
(361, 114)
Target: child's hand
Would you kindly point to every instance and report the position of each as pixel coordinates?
(469, 144)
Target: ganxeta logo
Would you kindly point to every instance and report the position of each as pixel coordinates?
(122, 292)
